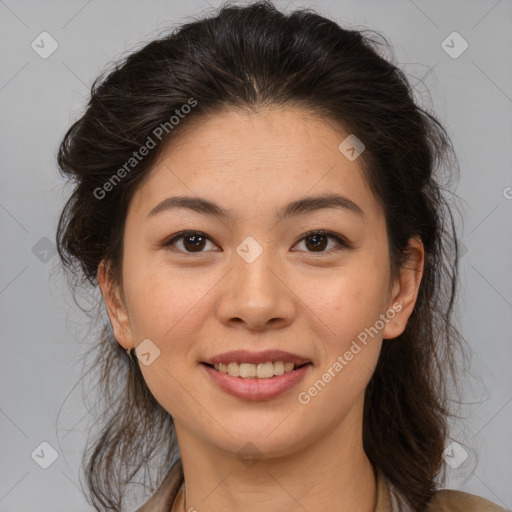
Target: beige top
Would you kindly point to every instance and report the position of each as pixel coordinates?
(388, 499)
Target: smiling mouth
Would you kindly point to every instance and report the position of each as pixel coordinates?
(266, 370)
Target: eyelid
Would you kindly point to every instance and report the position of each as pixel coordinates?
(340, 239)
(330, 234)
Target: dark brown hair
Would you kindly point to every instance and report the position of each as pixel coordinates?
(250, 58)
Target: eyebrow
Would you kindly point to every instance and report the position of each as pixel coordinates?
(298, 207)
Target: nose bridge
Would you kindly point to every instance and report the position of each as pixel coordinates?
(252, 263)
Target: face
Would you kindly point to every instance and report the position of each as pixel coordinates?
(259, 277)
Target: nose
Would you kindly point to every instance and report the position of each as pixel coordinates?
(256, 295)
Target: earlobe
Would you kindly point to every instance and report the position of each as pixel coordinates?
(115, 306)
(405, 290)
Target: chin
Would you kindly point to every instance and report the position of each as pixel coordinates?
(262, 439)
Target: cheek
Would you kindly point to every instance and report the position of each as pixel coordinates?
(338, 387)
(346, 302)
(166, 305)
(169, 309)
(157, 310)
(349, 341)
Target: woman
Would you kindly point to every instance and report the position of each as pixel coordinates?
(259, 200)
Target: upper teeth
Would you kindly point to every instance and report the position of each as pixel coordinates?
(250, 371)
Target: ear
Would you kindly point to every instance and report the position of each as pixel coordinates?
(116, 307)
(405, 290)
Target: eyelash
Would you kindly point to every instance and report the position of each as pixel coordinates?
(329, 234)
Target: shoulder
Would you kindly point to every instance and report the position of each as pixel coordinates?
(163, 499)
(448, 500)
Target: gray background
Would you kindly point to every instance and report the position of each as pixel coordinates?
(42, 333)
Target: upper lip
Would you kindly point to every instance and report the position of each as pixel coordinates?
(264, 356)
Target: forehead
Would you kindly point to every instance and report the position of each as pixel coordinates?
(276, 138)
(265, 156)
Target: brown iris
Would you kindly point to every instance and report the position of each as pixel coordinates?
(319, 241)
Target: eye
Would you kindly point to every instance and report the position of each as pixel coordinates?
(318, 240)
(195, 241)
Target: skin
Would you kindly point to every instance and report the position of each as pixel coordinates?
(193, 306)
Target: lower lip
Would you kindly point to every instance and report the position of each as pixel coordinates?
(257, 389)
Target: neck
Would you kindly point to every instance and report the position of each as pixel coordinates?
(332, 474)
